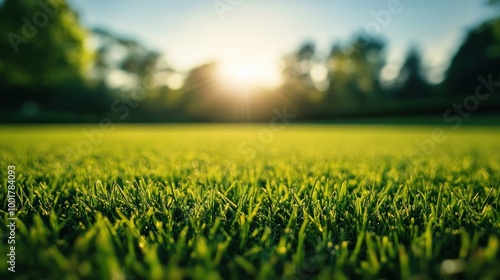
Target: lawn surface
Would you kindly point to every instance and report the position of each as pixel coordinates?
(221, 201)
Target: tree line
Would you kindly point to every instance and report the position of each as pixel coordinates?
(52, 69)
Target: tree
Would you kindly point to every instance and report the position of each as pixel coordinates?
(355, 71)
(479, 55)
(201, 92)
(44, 44)
(298, 87)
(342, 78)
(411, 82)
(44, 56)
(494, 2)
(298, 66)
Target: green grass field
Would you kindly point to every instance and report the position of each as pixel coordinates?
(218, 202)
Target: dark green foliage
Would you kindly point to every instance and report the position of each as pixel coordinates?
(44, 60)
(42, 44)
(411, 82)
(478, 56)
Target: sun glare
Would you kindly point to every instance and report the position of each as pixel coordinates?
(244, 75)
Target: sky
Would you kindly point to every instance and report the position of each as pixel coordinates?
(191, 32)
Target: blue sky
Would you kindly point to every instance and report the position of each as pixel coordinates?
(191, 32)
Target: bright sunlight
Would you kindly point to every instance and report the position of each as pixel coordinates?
(245, 74)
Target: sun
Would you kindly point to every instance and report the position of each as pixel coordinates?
(242, 76)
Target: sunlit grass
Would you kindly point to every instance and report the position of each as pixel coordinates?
(329, 202)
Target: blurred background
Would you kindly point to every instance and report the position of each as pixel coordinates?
(71, 61)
